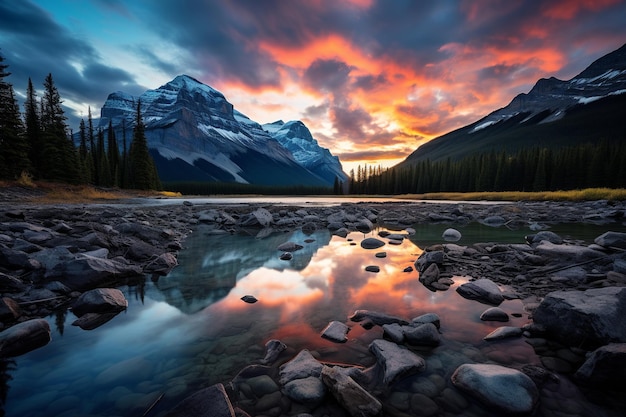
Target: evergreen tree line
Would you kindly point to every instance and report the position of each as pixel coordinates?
(216, 188)
(38, 143)
(581, 166)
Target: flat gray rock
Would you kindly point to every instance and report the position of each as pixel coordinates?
(494, 314)
(372, 243)
(24, 337)
(595, 316)
(504, 389)
(209, 402)
(351, 396)
(396, 361)
(376, 317)
(336, 331)
(100, 300)
(504, 332)
(605, 366)
(482, 290)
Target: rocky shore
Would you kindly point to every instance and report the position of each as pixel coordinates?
(73, 256)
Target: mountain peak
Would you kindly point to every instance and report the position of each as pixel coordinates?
(188, 83)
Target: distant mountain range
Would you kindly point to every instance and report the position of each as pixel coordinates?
(588, 108)
(195, 134)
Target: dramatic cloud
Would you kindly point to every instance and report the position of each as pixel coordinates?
(372, 79)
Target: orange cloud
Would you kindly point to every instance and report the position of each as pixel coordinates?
(567, 9)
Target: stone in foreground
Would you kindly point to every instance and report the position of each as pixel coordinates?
(352, 397)
(24, 337)
(396, 361)
(484, 290)
(595, 316)
(209, 402)
(504, 389)
(100, 300)
(336, 331)
(606, 366)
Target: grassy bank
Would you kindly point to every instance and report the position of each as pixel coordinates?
(588, 194)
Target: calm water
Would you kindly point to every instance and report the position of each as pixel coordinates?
(190, 329)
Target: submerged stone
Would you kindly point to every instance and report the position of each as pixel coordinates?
(250, 299)
(506, 390)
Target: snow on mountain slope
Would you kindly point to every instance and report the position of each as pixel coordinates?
(297, 138)
(605, 76)
(188, 122)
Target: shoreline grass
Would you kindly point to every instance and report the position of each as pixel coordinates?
(587, 194)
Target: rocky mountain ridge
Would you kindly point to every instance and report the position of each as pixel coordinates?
(553, 113)
(195, 134)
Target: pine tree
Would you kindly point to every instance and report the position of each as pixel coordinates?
(143, 173)
(84, 155)
(13, 145)
(33, 129)
(104, 174)
(60, 162)
(113, 156)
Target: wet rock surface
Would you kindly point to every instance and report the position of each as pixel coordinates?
(50, 255)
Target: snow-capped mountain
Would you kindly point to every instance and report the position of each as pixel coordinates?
(195, 134)
(297, 138)
(552, 113)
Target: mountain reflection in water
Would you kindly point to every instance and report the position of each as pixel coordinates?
(191, 329)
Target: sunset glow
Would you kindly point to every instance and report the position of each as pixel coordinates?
(371, 79)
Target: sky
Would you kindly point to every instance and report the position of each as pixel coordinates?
(371, 79)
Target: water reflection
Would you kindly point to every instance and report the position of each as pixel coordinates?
(190, 329)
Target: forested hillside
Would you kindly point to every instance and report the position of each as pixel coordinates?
(37, 144)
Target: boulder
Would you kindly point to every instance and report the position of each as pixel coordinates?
(426, 318)
(100, 300)
(90, 321)
(430, 275)
(86, 272)
(162, 264)
(11, 284)
(504, 389)
(484, 290)
(303, 365)
(376, 317)
(208, 402)
(9, 309)
(309, 390)
(573, 252)
(258, 218)
(595, 316)
(301, 378)
(372, 243)
(494, 221)
(352, 397)
(24, 337)
(394, 332)
(606, 366)
(428, 258)
(422, 335)
(13, 259)
(547, 236)
(289, 247)
(612, 239)
(364, 225)
(396, 361)
(503, 332)
(273, 349)
(494, 314)
(451, 235)
(336, 331)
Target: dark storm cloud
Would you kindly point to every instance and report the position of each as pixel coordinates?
(317, 111)
(327, 75)
(34, 45)
(370, 82)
